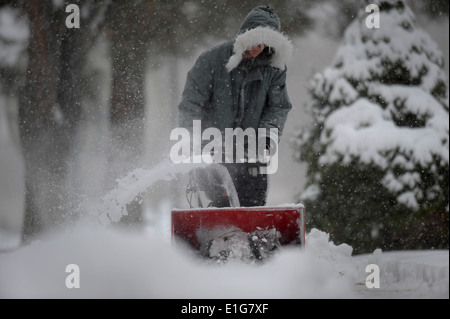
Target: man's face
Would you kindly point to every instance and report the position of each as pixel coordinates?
(254, 51)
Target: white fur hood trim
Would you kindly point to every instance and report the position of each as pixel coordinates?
(262, 35)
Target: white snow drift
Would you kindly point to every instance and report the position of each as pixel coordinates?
(117, 264)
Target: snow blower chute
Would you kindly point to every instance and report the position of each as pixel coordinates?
(244, 232)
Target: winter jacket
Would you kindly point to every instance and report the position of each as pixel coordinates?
(225, 91)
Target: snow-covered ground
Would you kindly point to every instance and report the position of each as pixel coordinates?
(123, 264)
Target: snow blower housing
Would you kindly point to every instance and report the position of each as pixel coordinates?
(244, 232)
(289, 221)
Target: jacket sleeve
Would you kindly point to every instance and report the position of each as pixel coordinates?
(197, 92)
(277, 105)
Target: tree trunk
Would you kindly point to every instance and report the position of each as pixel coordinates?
(37, 120)
(127, 115)
(49, 113)
(129, 31)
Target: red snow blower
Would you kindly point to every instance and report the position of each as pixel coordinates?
(251, 233)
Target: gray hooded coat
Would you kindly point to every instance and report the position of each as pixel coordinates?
(225, 91)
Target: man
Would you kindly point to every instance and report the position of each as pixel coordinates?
(241, 84)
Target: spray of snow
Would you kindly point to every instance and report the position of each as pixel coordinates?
(114, 204)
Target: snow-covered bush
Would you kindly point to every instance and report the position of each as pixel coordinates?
(378, 150)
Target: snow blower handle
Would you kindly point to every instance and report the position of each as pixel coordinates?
(215, 181)
(227, 183)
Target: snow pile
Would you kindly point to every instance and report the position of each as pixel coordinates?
(407, 274)
(403, 274)
(117, 264)
(319, 244)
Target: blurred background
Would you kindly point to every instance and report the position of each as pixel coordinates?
(82, 107)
